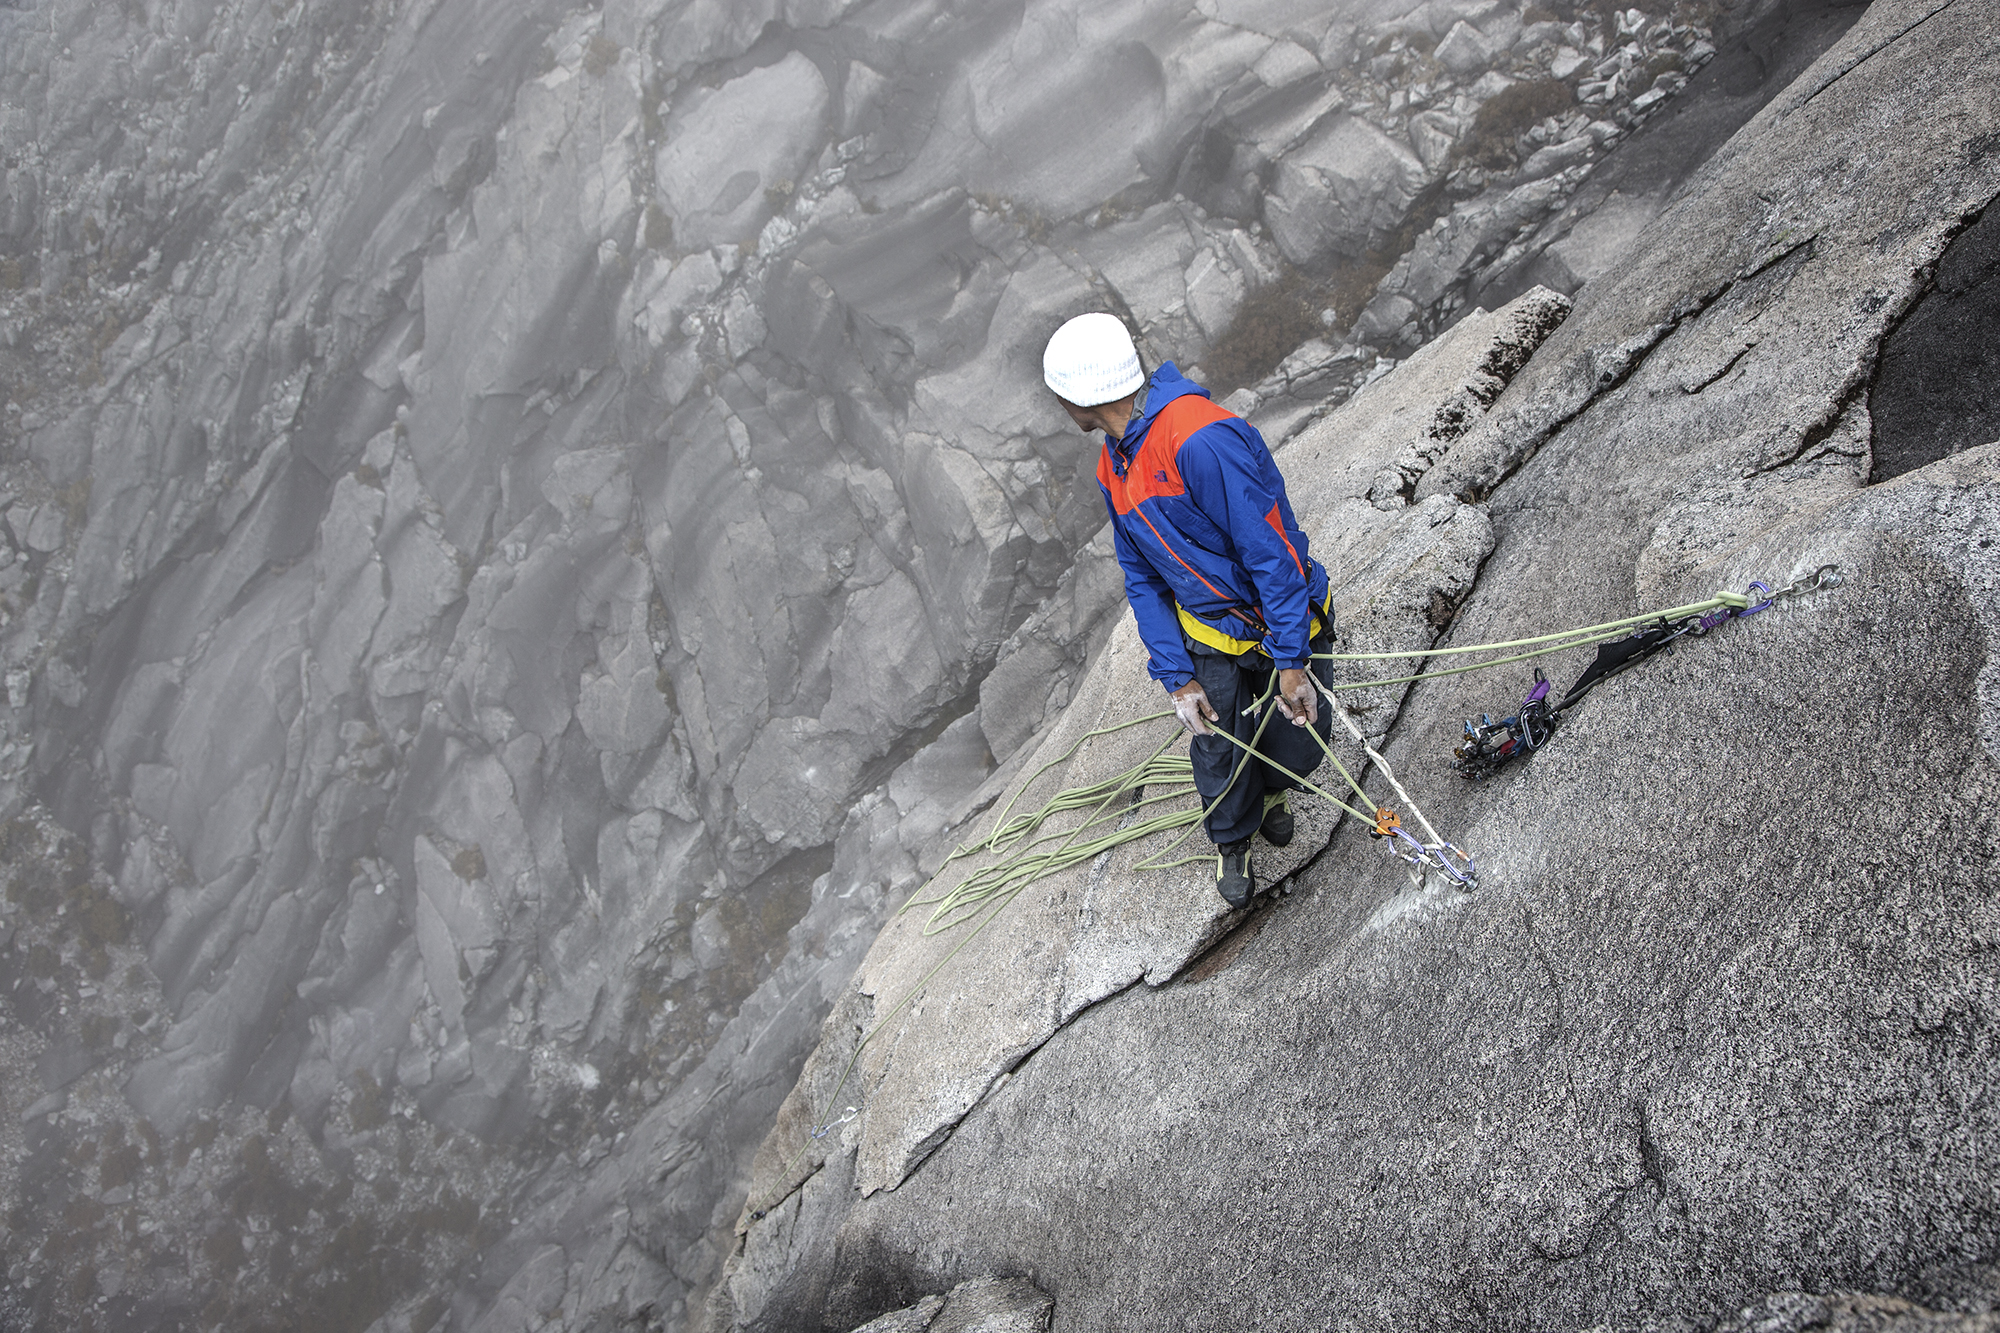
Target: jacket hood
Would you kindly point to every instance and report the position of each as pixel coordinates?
(1165, 384)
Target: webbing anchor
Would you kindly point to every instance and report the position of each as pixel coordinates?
(1488, 744)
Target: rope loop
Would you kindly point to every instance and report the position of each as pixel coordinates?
(1467, 874)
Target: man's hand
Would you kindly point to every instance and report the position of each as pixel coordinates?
(1298, 697)
(1191, 706)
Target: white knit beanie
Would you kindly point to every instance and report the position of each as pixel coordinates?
(1091, 361)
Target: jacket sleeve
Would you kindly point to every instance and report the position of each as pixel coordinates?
(1153, 607)
(1229, 473)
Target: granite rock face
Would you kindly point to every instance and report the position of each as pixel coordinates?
(523, 526)
(1703, 1049)
(1094, 932)
(1852, 1312)
(983, 1305)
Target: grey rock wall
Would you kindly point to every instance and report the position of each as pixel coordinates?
(523, 524)
(983, 1305)
(1703, 1048)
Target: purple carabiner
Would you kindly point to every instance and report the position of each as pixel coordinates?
(1417, 858)
(1761, 606)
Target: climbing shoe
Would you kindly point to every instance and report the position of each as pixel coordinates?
(1277, 828)
(1233, 877)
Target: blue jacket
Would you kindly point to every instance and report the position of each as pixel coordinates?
(1205, 534)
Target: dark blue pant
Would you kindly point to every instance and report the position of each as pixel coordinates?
(1232, 685)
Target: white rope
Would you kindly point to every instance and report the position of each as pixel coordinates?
(1374, 755)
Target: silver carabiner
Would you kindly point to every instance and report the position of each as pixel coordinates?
(1468, 878)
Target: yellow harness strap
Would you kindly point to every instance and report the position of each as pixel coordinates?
(1204, 633)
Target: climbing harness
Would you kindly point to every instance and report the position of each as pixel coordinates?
(1151, 797)
(1488, 746)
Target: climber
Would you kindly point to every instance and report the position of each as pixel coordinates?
(1217, 573)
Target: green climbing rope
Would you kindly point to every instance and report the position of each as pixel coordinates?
(1735, 599)
(1112, 803)
(1577, 638)
(1028, 851)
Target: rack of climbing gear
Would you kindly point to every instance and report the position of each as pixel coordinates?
(1488, 746)
(1491, 744)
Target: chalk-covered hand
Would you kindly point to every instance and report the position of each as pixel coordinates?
(1191, 706)
(1298, 697)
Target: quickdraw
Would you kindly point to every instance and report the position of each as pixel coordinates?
(1488, 746)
